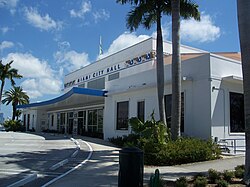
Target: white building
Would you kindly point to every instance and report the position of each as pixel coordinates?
(101, 97)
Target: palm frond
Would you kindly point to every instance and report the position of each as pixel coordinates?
(189, 9)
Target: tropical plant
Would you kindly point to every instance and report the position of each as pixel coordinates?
(14, 125)
(181, 182)
(244, 29)
(190, 10)
(213, 175)
(16, 96)
(7, 72)
(151, 129)
(200, 182)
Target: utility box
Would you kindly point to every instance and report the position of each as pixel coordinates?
(130, 167)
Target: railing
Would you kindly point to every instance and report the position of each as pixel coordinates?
(223, 143)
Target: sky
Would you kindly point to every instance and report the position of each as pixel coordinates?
(50, 38)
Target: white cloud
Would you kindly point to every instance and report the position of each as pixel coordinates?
(64, 45)
(42, 22)
(123, 41)
(9, 4)
(85, 8)
(203, 31)
(5, 45)
(71, 60)
(101, 15)
(39, 77)
(5, 30)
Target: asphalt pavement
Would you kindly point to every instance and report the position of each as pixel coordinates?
(32, 156)
(101, 170)
(87, 162)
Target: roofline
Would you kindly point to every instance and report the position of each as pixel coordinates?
(74, 90)
(91, 63)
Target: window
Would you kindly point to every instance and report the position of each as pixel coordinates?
(97, 84)
(81, 122)
(28, 122)
(24, 120)
(52, 120)
(81, 85)
(114, 76)
(237, 118)
(168, 105)
(122, 116)
(140, 110)
(95, 120)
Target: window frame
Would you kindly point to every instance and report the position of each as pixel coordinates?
(116, 122)
(143, 110)
(230, 114)
(182, 110)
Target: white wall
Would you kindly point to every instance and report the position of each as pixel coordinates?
(220, 102)
(142, 86)
(148, 95)
(32, 120)
(122, 56)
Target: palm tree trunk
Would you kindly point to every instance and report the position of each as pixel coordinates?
(1, 93)
(243, 8)
(176, 71)
(160, 69)
(14, 111)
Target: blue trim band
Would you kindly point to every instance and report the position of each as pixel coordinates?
(74, 90)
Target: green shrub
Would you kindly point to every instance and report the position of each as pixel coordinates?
(240, 167)
(198, 175)
(213, 175)
(151, 129)
(181, 182)
(13, 125)
(185, 150)
(124, 141)
(119, 141)
(222, 183)
(200, 182)
(228, 175)
(153, 137)
(239, 173)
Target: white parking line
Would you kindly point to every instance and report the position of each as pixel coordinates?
(24, 181)
(59, 164)
(73, 169)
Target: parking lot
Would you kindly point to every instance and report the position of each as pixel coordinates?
(24, 154)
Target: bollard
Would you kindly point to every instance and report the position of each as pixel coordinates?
(155, 179)
(130, 167)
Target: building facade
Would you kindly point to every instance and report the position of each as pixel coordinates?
(101, 97)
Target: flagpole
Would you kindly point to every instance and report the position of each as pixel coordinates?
(100, 46)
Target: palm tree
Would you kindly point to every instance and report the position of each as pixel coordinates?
(146, 13)
(6, 72)
(18, 114)
(191, 10)
(243, 7)
(16, 96)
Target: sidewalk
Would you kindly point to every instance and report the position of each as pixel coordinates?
(102, 168)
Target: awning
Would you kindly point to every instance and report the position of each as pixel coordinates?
(76, 96)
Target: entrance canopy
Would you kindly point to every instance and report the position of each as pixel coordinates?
(76, 97)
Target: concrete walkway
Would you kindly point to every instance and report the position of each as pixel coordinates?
(102, 168)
